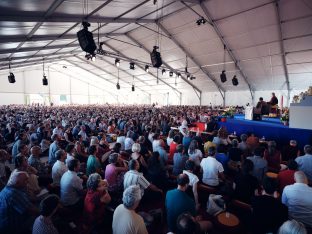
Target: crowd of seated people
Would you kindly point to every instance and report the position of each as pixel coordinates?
(108, 166)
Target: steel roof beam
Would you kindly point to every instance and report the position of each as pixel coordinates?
(226, 44)
(209, 76)
(166, 64)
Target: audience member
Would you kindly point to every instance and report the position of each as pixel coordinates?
(305, 162)
(59, 167)
(260, 164)
(179, 160)
(286, 177)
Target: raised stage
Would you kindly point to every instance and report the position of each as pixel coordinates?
(270, 128)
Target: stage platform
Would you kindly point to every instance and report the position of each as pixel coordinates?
(270, 128)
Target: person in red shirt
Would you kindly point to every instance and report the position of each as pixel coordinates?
(173, 146)
(273, 156)
(286, 177)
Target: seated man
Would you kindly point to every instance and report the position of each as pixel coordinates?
(305, 162)
(260, 164)
(16, 210)
(178, 202)
(125, 219)
(261, 107)
(268, 213)
(71, 187)
(298, 198)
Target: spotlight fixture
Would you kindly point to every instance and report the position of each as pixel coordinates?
(171, 73)
(186, 71)
(90, 57)
(85, 39)
(132, 88)
(156, 57)
(64, 67)
(132, 65)
(93, 57)
(11, 77)
(188, 76)
(179, 75)
(44, 80)
(201, 21)
(223, 76)
(146, 68)
(192, 78)
(235, 81)
(118, 85)
(117, 62)
(163, 71)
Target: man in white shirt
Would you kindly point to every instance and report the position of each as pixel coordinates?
(58, 130)
(59, 167)
(133, 177)
(71, 187)
(305, 162)
(298, 198)
(212, 169)
(125, 219)
(129, 141)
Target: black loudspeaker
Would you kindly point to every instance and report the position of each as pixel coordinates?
(156, 58)
(86, 41)
(11, 78)
(235, 81)
(45, 81)
(223, 77)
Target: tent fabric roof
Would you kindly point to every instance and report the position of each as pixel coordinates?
(268, 44)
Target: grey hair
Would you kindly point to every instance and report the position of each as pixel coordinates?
(113, 158)
(93, 181)
(300, 177)
(15, 176)
(292, 227)
(136, 148)
(131, 195)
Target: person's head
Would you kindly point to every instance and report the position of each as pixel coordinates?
(292, 165)
(307, 149)
(70, 148)
(292, 227)
(177, 139)
(258, 151)
(18, 179)
(131, 197)
(117, 148)
(35, 151)
(92, 150)
(60, 155)
(193, 146)
(212, 151)
(189, 165)
(94, 141)
(49, 205)
(183, 181)
(136, 148)
(273, 94)
(55, 137)
(234, 143)
(4, 155)
(180, 148)
(221, 148)
(134, 165)
(271, 147)
(73, 165)
(243, 137)
(113, 158)
(261, 99)
(93, 181)
(23, 149)
(269, 185)
(141, 139)
(171, 134)
(247, 167)
(300, 177)
(293, 143)
(21, 162)
(186, 224)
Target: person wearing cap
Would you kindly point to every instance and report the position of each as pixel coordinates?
(43, 223)
(125, 219)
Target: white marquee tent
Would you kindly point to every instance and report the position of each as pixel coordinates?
(266, 44)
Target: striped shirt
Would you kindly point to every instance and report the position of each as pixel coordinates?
(43, 225)
(14, 204)
(133, 177)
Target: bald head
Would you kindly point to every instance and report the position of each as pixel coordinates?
(300, 177)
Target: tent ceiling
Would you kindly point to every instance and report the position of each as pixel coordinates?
(268, 43)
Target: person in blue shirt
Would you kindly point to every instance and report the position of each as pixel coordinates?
(178, 202)
(222, 157)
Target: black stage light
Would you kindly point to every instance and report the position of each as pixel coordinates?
(132, 88)
(118, 85)
(235, 81)
(146, 68)
(171, 73)
(223, 76)
(132, 66)
(45, 80)
(117, 62)
(179, 75)
(163, 71)
(85, 39)
(156, 57)
(11, 78)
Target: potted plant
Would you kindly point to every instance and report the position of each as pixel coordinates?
(285, 118)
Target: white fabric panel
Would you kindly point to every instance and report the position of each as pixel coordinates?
(59, 83)
(17, 87)
(212, 98)
(79, 99)
(240, 98)
(11, 98)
